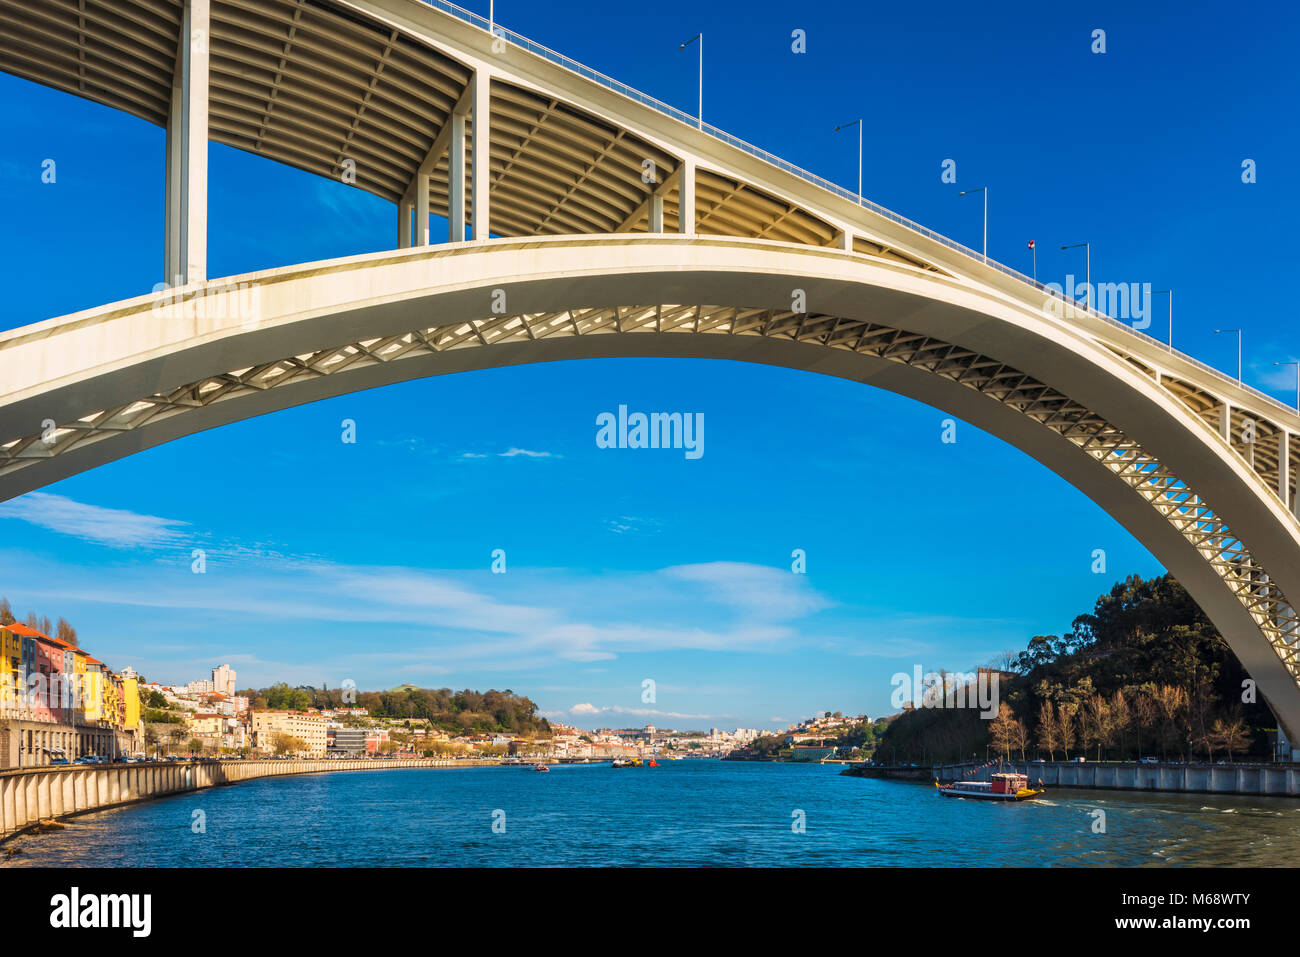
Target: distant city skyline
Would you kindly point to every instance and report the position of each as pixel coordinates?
(324, 561)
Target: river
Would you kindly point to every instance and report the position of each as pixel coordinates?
(682, 814)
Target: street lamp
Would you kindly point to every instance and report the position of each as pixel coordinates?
(858, 124)
(1087, 266)
(1170, 294)
(985, 191)
(1238, 332)
(700, 37)
(1297, 380)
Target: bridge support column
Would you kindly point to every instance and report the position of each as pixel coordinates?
(657, 213)
(686, 198)
(1225, 422)
(456, 179)
(403, 223)
(186, 227)
(421, 209)
(479, 207)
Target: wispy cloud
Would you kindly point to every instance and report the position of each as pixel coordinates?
(115, 527)
(588, 710)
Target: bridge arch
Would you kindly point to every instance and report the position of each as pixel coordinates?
(96, 386)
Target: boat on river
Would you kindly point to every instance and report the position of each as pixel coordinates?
(1001, 787)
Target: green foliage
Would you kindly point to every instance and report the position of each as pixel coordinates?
(456, 712)
(1144, 642)
(154, 699)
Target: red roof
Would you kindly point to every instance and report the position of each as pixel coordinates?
(26, 632)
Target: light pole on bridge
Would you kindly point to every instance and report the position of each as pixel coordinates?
(985, 191)
(1170, 294)
(858, 124)
(1297, 380)
(699, 36)
(1087, 266)
(1238, 332)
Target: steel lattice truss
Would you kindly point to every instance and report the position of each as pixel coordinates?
(1178, 504)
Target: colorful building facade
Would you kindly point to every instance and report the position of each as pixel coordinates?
(57, 701)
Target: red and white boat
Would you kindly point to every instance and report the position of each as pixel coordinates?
(1002, 787)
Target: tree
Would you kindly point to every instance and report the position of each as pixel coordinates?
(282, 743)
(1066, 727)
(1121, 720)
(6, 612)
(1171, 702)
(1097, 716)
(1002, 732)
(65, 632)
(1049, 731)
(1231, 735)
(1146, 718)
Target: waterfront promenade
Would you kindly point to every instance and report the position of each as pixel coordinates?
(30, 796)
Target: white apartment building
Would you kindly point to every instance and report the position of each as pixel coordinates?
(223, 680)
(309, 726)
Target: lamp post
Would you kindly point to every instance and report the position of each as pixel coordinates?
(700, 37)
(1087, 266)
(1170, 294)
(858, 124)
(1238, 332)
(1297, 380)
(985, 191)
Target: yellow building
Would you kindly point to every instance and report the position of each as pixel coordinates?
(11, 670)
(130, 702)
(82, 688)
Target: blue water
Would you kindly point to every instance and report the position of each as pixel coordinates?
(684, 813)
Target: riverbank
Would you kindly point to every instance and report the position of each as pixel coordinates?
(891, 772)
(1275, 780)
(33, 797)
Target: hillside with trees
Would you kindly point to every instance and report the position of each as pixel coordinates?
(1143, 674)
(456, 712)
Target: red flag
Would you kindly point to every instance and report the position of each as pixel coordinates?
(1031, 244)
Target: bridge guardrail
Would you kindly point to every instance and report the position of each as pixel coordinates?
(682, 116)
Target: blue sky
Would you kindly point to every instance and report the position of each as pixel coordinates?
(328, 561)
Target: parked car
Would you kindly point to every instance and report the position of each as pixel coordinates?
(1150, 760)
(1080, 759)
(59, 761)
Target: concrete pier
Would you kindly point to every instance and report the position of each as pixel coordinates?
(1279, 780)
(30, 796)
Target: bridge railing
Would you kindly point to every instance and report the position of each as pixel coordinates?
(682, 116)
